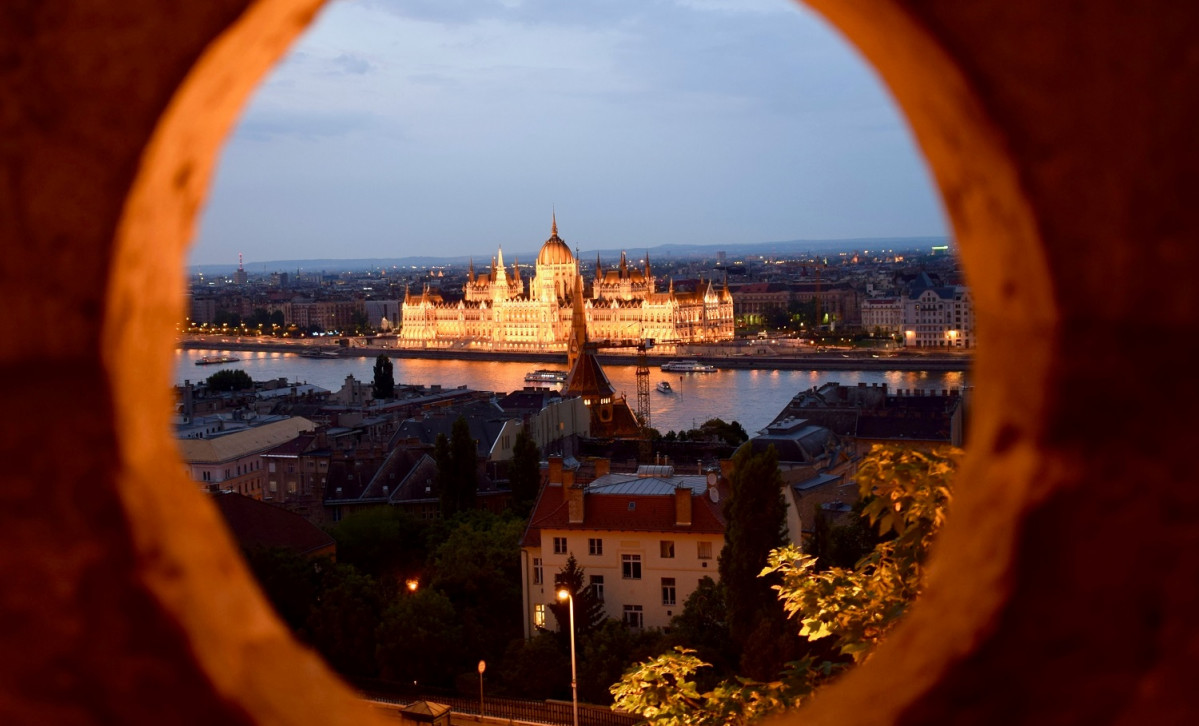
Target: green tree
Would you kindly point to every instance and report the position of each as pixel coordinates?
(524, 475)
(383, 385)
(420, 639)
(463, 466)
(756, 520)
(289, 580)
(478, 567)
(446, 481)
(907, 494)
(342, 622)
(703, 626)
(605, 653)
(538, 668)
(384, 542)
(589, 609)
(229, 380)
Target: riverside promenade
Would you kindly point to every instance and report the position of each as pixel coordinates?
(747, 354)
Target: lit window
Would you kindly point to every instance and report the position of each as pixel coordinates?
(597, 587)
(633, 617)
(668, 591)
(595, 546)
(536, 570)
(559, 545)
(539, 615)
(630, 567)
(704, 550)
(667, 549)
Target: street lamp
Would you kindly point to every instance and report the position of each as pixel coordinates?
(564, 594)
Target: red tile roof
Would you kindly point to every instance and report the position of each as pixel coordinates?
(611, 513)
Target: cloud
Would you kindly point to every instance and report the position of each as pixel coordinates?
(353, 64)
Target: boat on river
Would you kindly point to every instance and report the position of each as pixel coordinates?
(664, 387)
(688, 366)
(319, 353)
(545, 375)
(213, 360)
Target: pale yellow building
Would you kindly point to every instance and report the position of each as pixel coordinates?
(500, 311)
(644, 540)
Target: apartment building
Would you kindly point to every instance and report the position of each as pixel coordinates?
(644, 539)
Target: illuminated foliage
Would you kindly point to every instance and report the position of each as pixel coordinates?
(906, 494)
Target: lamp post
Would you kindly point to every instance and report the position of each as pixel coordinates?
(564, 594)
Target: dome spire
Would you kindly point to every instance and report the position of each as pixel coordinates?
(554, 227)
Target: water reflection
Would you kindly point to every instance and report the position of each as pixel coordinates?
(752, 397)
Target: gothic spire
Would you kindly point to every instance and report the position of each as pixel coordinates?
(554, 228)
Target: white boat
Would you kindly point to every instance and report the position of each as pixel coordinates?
(664, 387)
(688, 366)
(212, 360)
(544, 375)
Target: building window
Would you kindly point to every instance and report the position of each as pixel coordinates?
(668, 592)
(536, 570)
(630, 567)
(539, 615)
(633, 616)
(559, 545)
(667, 549)
(597, 587)
(704, 550)
(595, 546)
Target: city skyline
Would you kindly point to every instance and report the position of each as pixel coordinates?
(402, 129)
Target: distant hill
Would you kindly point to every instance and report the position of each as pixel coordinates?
(665, 252)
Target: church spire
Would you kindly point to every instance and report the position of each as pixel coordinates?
(578, 325)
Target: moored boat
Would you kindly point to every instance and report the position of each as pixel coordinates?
(212, 360)
(545, 375)
(688, 366)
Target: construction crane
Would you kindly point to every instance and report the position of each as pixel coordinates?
(642, 375)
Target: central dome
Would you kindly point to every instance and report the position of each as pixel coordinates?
(554, 251)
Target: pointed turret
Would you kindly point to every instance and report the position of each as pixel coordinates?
(578, 324)
(647, 273)
(554, 226)
(470, 273)
(624, 265)
(599, 272)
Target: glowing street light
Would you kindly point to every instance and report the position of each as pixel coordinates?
(564, 594)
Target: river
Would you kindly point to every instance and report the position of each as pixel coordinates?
(752, 397)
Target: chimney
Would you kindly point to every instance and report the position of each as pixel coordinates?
(574, 498)
(555, 473)
(682, 506)
(602, 467)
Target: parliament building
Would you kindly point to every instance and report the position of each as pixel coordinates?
(500, 311)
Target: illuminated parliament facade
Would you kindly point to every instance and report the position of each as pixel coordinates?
(499, 311)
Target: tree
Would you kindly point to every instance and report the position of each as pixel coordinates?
(342, 621)
(289, 580)
(230, 380)
(756, 516)
(445, 476)
(384, 383)
(457, 469)
(703, 626)
(420, 639)
(464, 465)
(589, 609)
(478, 567)
(524, 476)
(384, 542)
(907, 494)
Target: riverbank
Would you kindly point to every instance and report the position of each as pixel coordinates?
(766, 357)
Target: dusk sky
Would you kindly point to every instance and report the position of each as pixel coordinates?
(432, 127)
